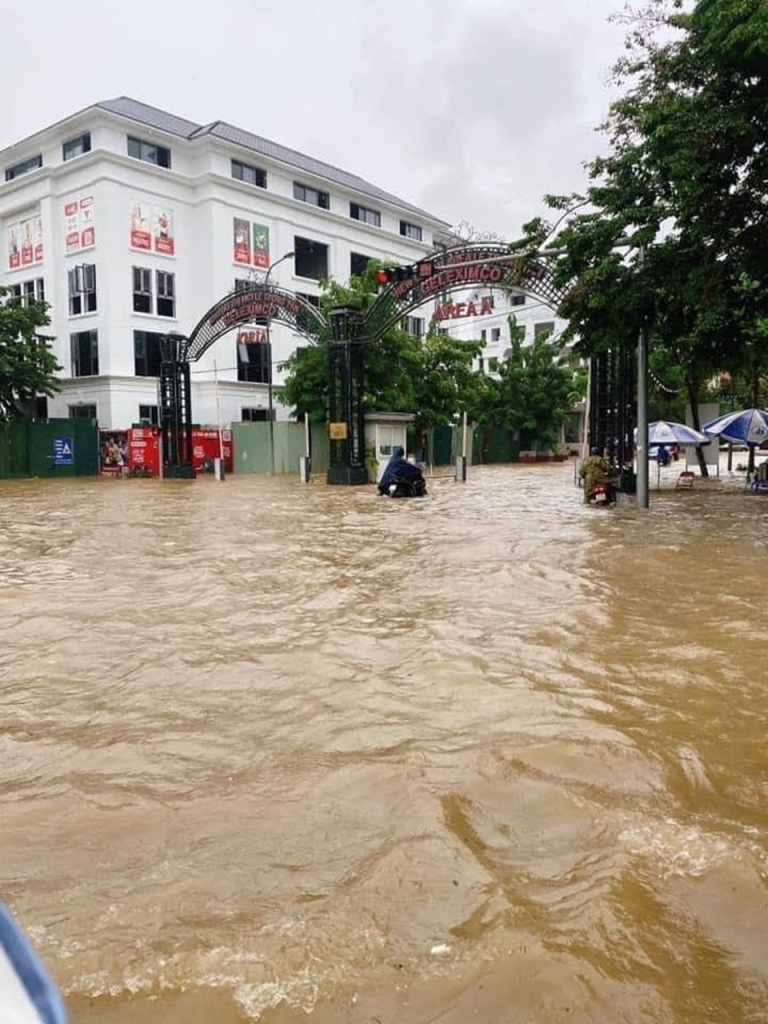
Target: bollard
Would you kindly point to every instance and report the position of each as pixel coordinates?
(218, 469)
(304, 470)
(461, 469)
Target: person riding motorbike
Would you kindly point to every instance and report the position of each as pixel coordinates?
(407, 473)
(595, 470)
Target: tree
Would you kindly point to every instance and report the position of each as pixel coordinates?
(676, 240)
(28, 367)
(535, 390)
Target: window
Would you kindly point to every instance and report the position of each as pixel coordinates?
(24, 167)
(149, 416)
(481, 364)
(146, 353)
(410, 230)
(358, 262)
(82, 289)
(27, 292)
(495, 334)
(242, 284)
(311, 300)
(85, 353)
(483, 335)
(142, 290)
(253, 355)
(517, 300)
(149, 152)
(254, 415)
(41, 407)
(311, 195)
(414, 325)
(250, 175)
(543, 330)
(166, 299)
(493, 365)
(82, 411)
(366, 215)
(311, 258)
(76, 147)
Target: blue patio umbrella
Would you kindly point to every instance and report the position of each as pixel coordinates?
(746, 426)
(669, 432)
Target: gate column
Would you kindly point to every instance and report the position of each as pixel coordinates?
(175, 400)
(346, 413)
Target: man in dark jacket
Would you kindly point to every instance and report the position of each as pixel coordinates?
(400, 468)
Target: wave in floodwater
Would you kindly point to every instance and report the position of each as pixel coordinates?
(271, 749)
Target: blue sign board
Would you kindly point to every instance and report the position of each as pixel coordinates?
(63, 451)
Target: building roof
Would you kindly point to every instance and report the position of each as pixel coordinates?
(162, 121)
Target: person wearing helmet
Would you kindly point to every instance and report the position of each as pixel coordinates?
(400, 469)
(595, 470)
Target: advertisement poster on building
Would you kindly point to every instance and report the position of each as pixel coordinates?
(242, 241)
(80, 230)
(164, 240)
(14, 247)
(25, 243)
(113, 452)
(260, 246)
(141, 226)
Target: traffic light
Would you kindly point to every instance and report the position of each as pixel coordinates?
(392, 275)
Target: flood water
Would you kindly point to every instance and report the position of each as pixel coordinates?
(269, 748)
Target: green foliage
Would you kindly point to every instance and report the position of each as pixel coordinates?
(28, 367)
(535, 391)
(675, 239)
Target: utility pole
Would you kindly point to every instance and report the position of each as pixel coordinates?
(641, 448)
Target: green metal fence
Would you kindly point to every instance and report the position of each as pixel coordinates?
(251, 443)
(49, 448)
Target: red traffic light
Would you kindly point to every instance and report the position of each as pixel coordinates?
(385, 275)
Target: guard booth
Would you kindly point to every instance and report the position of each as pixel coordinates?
(385, 431)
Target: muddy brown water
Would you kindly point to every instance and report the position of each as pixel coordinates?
(269, 749)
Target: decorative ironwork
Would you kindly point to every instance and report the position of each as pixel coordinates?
(256, 304)
(175, 400)
(346, 371)
(457, 269)
(345, 331)
(613, 409)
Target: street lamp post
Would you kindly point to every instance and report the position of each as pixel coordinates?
(270, 413)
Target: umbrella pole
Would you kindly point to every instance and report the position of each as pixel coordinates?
(658, 474)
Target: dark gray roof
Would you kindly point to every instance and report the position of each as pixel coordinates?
(164, 122)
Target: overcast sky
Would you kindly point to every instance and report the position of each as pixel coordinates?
(472, 109)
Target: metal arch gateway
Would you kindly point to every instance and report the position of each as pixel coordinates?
(460, 268)
(258, 304)
(345, 333)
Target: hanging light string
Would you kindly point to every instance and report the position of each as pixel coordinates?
(663, 387)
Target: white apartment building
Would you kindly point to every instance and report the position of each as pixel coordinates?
(131, 223)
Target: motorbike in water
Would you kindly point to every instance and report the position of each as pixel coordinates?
(603, 493)
(406, 487)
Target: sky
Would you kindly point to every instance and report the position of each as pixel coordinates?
(471, 109)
